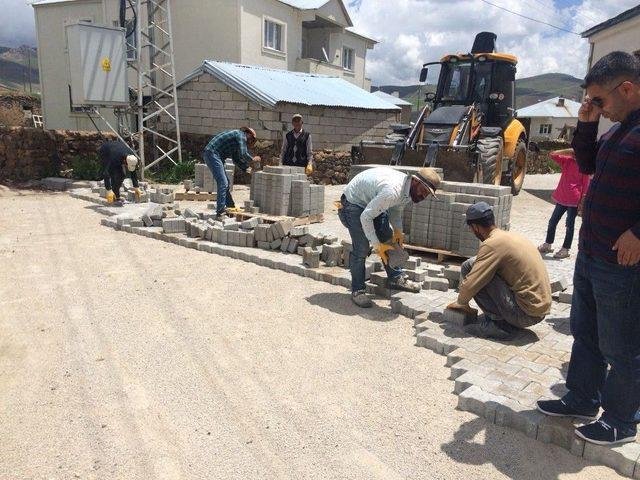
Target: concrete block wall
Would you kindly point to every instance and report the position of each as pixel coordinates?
(286, 191)
(207, 106)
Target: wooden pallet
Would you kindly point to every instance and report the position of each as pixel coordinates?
(441, 254)
(195, 197)
(297, 221)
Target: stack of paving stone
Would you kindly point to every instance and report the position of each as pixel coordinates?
(441, 223)
(356, 169)
(204, 178)
(162, 195)
(286, 191)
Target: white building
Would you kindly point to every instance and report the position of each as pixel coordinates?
(621, 32)
(548, 119)
(312, 36)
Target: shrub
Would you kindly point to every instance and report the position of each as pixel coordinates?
(169, 173)
(86, 167)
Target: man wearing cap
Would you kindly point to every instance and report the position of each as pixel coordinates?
(296, 147)
(508, 279)
(118, 160)
(371, 208)
(229, 144)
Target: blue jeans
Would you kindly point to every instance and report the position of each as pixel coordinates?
(605, 323)
(349, 215)
(572, 213)
(216, 165)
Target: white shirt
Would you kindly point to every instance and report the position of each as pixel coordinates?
(379, 190)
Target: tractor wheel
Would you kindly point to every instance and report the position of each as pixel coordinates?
(490, 149)
(518, 167)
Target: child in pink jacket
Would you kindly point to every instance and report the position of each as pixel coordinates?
(568, 195)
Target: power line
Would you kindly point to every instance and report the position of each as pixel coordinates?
(577, 12)
(546, 10)
(529, 18)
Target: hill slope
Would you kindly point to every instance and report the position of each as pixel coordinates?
(14, 67)
(528, 90)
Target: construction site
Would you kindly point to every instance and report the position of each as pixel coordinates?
(151, 330)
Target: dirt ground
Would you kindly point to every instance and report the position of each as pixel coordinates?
(122, 357)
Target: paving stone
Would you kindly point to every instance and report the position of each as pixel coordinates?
(397, 257)
(566, 297)
(459, 318)
(440, 284)
(623, 457)
(559, 285)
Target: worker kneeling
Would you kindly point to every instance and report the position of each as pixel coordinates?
(508, 279)
(371, 209)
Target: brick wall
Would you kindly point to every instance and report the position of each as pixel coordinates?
(207, 107)
(30, 153)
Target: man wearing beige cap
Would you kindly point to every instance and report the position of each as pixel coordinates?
(229, 144)
(296, 147)
(371, 209)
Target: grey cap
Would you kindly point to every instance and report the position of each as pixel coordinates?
(479, 210)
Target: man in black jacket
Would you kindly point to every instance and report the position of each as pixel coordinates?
(296, 147)
(118, 160)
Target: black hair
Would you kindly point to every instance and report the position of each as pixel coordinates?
(612, 66)
(487, 221)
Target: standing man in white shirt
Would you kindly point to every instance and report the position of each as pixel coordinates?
(372, 206)
(296, 147)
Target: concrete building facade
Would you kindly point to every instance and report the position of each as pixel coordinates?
(621, 32)
(547, 120)
(311, 36)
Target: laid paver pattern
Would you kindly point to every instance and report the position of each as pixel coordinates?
(500, 381)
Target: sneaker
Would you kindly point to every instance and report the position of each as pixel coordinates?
(402, 282)
(601, 433)
(562, 253)
(545, 248)
(486, 328)
(557, 408)
(361, 299)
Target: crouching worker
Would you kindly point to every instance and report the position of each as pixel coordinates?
(508, 279)
(118, 161)
(371, 208)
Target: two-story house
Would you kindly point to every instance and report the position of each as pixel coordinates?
(311, 36)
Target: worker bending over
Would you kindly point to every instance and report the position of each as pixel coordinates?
(507, 279)
(371, 208)
(231, 144)
(118, 160)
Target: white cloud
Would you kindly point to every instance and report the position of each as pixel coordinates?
(412, 32)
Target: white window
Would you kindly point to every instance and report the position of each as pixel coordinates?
(273, 35)
(348, 56)
(545, 128)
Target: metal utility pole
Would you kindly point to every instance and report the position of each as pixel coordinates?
(148, 24)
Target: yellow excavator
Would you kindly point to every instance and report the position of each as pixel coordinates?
(468, 126)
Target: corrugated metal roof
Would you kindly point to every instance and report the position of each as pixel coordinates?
(391, 98)
(50, 2)
(550, 108)
(268, 87)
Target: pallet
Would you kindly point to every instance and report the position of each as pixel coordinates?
(297, 221)
(195, 197)
(440, 253)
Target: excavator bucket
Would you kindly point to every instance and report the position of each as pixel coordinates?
(457, 165)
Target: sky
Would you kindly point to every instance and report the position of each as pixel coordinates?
(413, 32)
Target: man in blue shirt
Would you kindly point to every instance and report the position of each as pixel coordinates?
(231, 144)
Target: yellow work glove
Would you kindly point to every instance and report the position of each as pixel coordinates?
(382, 249)
(136, 191)
(309, 169)
(398, 236)
(110, 196)
(249, 170)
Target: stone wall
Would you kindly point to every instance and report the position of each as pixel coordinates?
(29, 153)
(539, 162)
(207, 106)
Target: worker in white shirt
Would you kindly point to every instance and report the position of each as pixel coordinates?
(296, 147)
(372, 206)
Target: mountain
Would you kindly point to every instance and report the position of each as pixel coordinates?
(528, 90)
(14, 67)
